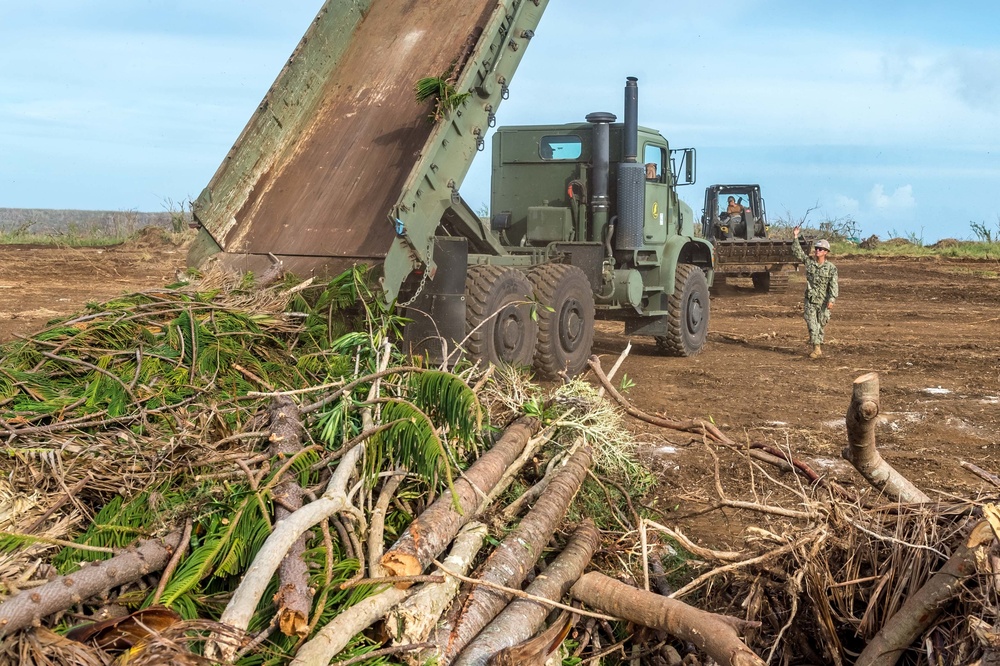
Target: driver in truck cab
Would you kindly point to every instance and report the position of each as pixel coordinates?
(733, 208)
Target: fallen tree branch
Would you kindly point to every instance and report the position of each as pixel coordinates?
(286, 532)
(414, 619)
(516, 554)
(384, 652)
(692, 547)
(376, 530)
(425, 538)
(922, 607)
(175, 559)
(338, 632)
(696, 426)
(430, 532)
(27, 608)
(336, 635)
(514, 592)
(522, 618)
(294, 596)
(861, 452)
(715, 635)
(975, 469)
(697, 582)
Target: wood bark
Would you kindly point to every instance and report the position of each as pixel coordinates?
(922, 607)
(376, 525)
(286, 532)
(522, 618)
(715, 635)
(862, 415)
(516, 555)
(294, 596)
(336, 635)
(431, 532)
(413, 620)
(28, 607)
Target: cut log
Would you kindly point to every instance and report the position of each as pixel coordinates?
(522, 618)
(27, 608)
(922, 607)
(413, 620)
(294, 596)
(516, 555)
(431, 532)
(715, 635)
(860, 451)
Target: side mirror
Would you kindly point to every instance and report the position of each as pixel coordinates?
(685, 166)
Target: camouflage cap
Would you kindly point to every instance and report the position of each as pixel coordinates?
(823, 244)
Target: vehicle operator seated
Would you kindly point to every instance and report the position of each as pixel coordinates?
(734, 208)
(651, 171)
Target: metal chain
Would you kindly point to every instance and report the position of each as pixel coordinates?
(420, 288)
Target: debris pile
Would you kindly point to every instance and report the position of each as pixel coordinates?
(225, 472)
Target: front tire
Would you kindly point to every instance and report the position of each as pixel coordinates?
(565, 319)
(498, 316)
(687, 313)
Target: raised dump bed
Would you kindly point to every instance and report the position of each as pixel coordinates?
(339, 144)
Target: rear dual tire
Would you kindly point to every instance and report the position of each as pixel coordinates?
(544, 318)
(565, 314)
(498, 319)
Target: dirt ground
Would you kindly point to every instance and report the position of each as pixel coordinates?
(928, 327)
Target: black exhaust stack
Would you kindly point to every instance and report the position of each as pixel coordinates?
(599, 200)
(631, 119)
(631, 177)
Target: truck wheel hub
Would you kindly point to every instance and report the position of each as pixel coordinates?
(695, 314)
(509, 330)
(570, 325)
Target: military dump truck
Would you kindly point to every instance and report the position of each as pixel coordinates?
(741, 236)
(341, 164)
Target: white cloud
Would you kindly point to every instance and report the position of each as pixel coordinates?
(846, 204)
(900, 200)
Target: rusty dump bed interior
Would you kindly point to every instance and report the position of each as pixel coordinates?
(326, 186)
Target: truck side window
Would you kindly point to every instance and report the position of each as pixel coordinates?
(560, 147)
(653, 158)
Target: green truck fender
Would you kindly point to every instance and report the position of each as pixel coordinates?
(686, 250)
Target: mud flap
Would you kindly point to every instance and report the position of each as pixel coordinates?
(438, 311)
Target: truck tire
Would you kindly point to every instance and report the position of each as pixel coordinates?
(500, 330)
(565, 319)
(687, 313)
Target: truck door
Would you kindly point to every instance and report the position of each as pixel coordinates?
(657, 194)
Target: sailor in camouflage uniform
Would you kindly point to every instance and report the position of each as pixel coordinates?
(821, 290)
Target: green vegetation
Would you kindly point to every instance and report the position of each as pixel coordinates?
(83, 228)
(844, 235)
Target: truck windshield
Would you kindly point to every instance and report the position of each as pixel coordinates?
(560, 147)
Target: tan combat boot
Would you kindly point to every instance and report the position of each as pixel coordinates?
(816, 352)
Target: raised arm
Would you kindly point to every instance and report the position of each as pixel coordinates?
(796, 246)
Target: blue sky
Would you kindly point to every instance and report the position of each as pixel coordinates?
(887, 112)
